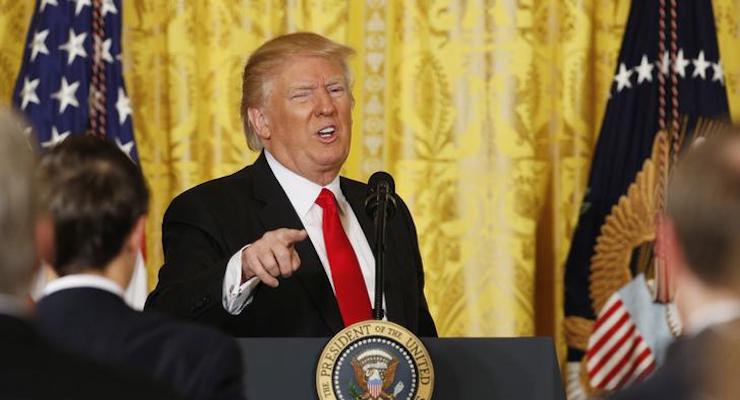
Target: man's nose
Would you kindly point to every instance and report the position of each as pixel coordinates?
(324, 104)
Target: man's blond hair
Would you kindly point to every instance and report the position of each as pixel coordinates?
(267, 60)
(18, 207)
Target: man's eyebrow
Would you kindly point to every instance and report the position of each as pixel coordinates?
(335, 80)
(302, 86)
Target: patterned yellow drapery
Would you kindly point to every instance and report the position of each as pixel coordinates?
(486, 112)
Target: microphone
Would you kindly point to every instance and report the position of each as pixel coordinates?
(380, 205)
(380, 189)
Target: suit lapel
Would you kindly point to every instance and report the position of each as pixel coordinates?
(391, 286)
(279, 213)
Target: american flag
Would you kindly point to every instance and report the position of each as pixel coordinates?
(628, 337)
(62, 67)
(71, 82)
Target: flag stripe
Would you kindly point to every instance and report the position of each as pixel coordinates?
(606, 336)
(595, 363)
(622, 367)
(611, 307)
(617, 353)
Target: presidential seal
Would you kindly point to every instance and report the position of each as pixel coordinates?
(374, 360)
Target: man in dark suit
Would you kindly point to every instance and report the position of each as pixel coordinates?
(29, 367)
(281, 247)
(97, 200)
(701, 242)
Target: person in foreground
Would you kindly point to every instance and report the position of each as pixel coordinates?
(31, 368)
(281, 247)
(97, 200)
(701, 232)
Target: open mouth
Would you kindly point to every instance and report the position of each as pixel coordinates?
(327, 132)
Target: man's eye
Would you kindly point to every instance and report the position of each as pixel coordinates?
(336, 90)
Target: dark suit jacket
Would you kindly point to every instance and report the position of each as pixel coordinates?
(197, 361)
(31, 369)
(206, 225)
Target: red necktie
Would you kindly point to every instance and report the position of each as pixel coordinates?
(349, 285)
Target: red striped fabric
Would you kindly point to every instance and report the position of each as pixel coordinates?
(617, 354)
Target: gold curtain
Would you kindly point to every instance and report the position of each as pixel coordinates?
(486, 112)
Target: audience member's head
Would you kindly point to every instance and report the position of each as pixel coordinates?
(97, 199)
(702, 229)
(18, 208)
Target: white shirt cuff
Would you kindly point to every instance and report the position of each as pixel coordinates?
(237, 295)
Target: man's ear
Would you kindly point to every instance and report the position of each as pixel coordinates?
(44, 236)
(670, 244)
(259, 122)
(134, 242)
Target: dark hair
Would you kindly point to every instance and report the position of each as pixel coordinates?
(94, 194)
(703, 202)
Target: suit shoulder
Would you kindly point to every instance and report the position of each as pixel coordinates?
(224, 184)
(353, 184)
(359, 189)
(216, 194)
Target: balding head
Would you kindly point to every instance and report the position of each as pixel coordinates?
(18, 207)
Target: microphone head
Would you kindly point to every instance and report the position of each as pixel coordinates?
(374, 195)
(379, 178)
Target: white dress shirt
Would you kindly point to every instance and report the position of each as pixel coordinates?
(80, 281)
(302, 194)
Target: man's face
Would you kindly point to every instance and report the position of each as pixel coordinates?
(308, 118)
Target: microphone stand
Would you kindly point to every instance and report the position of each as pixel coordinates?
(380, 222)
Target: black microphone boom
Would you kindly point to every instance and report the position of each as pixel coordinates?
(380, 205)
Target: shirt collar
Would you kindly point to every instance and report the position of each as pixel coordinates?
(83, 281)
(714, 313)
(301, 192)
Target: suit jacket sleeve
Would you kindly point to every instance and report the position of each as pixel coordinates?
(191, 280)
(426, 325)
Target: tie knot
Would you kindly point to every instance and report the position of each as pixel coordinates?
(326, 200)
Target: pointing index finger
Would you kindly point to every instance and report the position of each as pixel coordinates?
(292, 236)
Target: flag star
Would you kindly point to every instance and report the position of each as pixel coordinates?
(55, 138)
(125, 147)
(74, 46)
(29, 92)
(700, 66)
(109, 6)
(80, 5)
(664, 63)
(123, 105)
(623, 78)
(66, 95)
(644, 70)
(44, 3)
(718, 73)
(680, 64)
(38, 44)
(105, 53)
